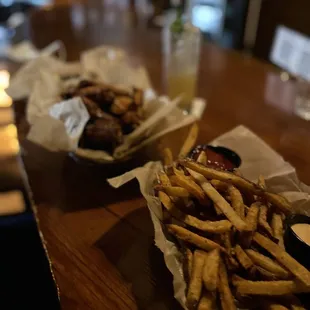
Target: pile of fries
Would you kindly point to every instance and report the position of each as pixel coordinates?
(231, 233)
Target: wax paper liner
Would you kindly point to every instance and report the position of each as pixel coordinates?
(257, 158)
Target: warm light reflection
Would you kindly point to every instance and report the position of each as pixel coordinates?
(4, 79)
(278, 93)
(284, 76)
(9, 145)
(5, 99)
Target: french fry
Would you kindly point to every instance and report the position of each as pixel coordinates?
(219, 185)
(188, 236)
(189, 262)
(202, 158)
(207, 302)
(169, 205)
(163, 178)
(262, 220)
(236, 200)
(221, 175)
(227, 241)
(216, 227)
(261, 182)
(189, 185)
(210, 270)
(251, 222)
(167, 157)
(190, 140)
(271, 288)
(268, 264)
(277, 228)
(243, 258)
(283, 258)
(280, 202)
(231, 263)
(226, 297)
(265, 274)
(252, 216)
(195, 284)
(219, 201)
(175, 191)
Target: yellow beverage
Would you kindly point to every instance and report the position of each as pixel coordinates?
(182, 84)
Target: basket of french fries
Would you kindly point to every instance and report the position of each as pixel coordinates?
(221, 235)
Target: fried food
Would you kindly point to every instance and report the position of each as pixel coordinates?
(113, 113)
(190, 237)
(190, 141)
(207, 302)
(219, 201)
(261, 182)
(243, 258)
(241, 183)
(226, 240)
(221, 175)
(262, 220)
(173, 191)
(219, 185)
(251, 222)
(265, 274)
(268, 264)
(189, 185)
(216, 227)
(236, 200)
(211, 270)
(202, 158)
(277, 228)
(252, 216)
(169, 205)
(195, 284)
(102, 134)
(271, 288)
(167, 157)
(283, 258)
(235, 266)
(188, 262)
(163, 179)
(226, 297)
(278, 201)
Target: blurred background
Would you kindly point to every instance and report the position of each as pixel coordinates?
(248, 25)
(238, 24)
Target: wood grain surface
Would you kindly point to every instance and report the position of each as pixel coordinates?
(100, 239)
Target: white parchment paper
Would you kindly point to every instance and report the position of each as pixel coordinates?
(257, 158)
(44, 79)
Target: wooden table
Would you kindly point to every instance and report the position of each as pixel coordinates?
(101, 240)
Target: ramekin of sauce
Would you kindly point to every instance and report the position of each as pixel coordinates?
(218, 156)
(297, 238)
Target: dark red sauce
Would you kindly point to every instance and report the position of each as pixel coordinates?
(215, 159)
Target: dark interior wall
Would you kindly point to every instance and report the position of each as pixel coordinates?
(293, 14)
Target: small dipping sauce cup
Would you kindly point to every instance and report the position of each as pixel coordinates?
(297, 238)
(218, 156)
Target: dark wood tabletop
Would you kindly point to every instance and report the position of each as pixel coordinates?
(100, 240)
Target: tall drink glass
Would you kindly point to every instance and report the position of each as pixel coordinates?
(181, 60)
